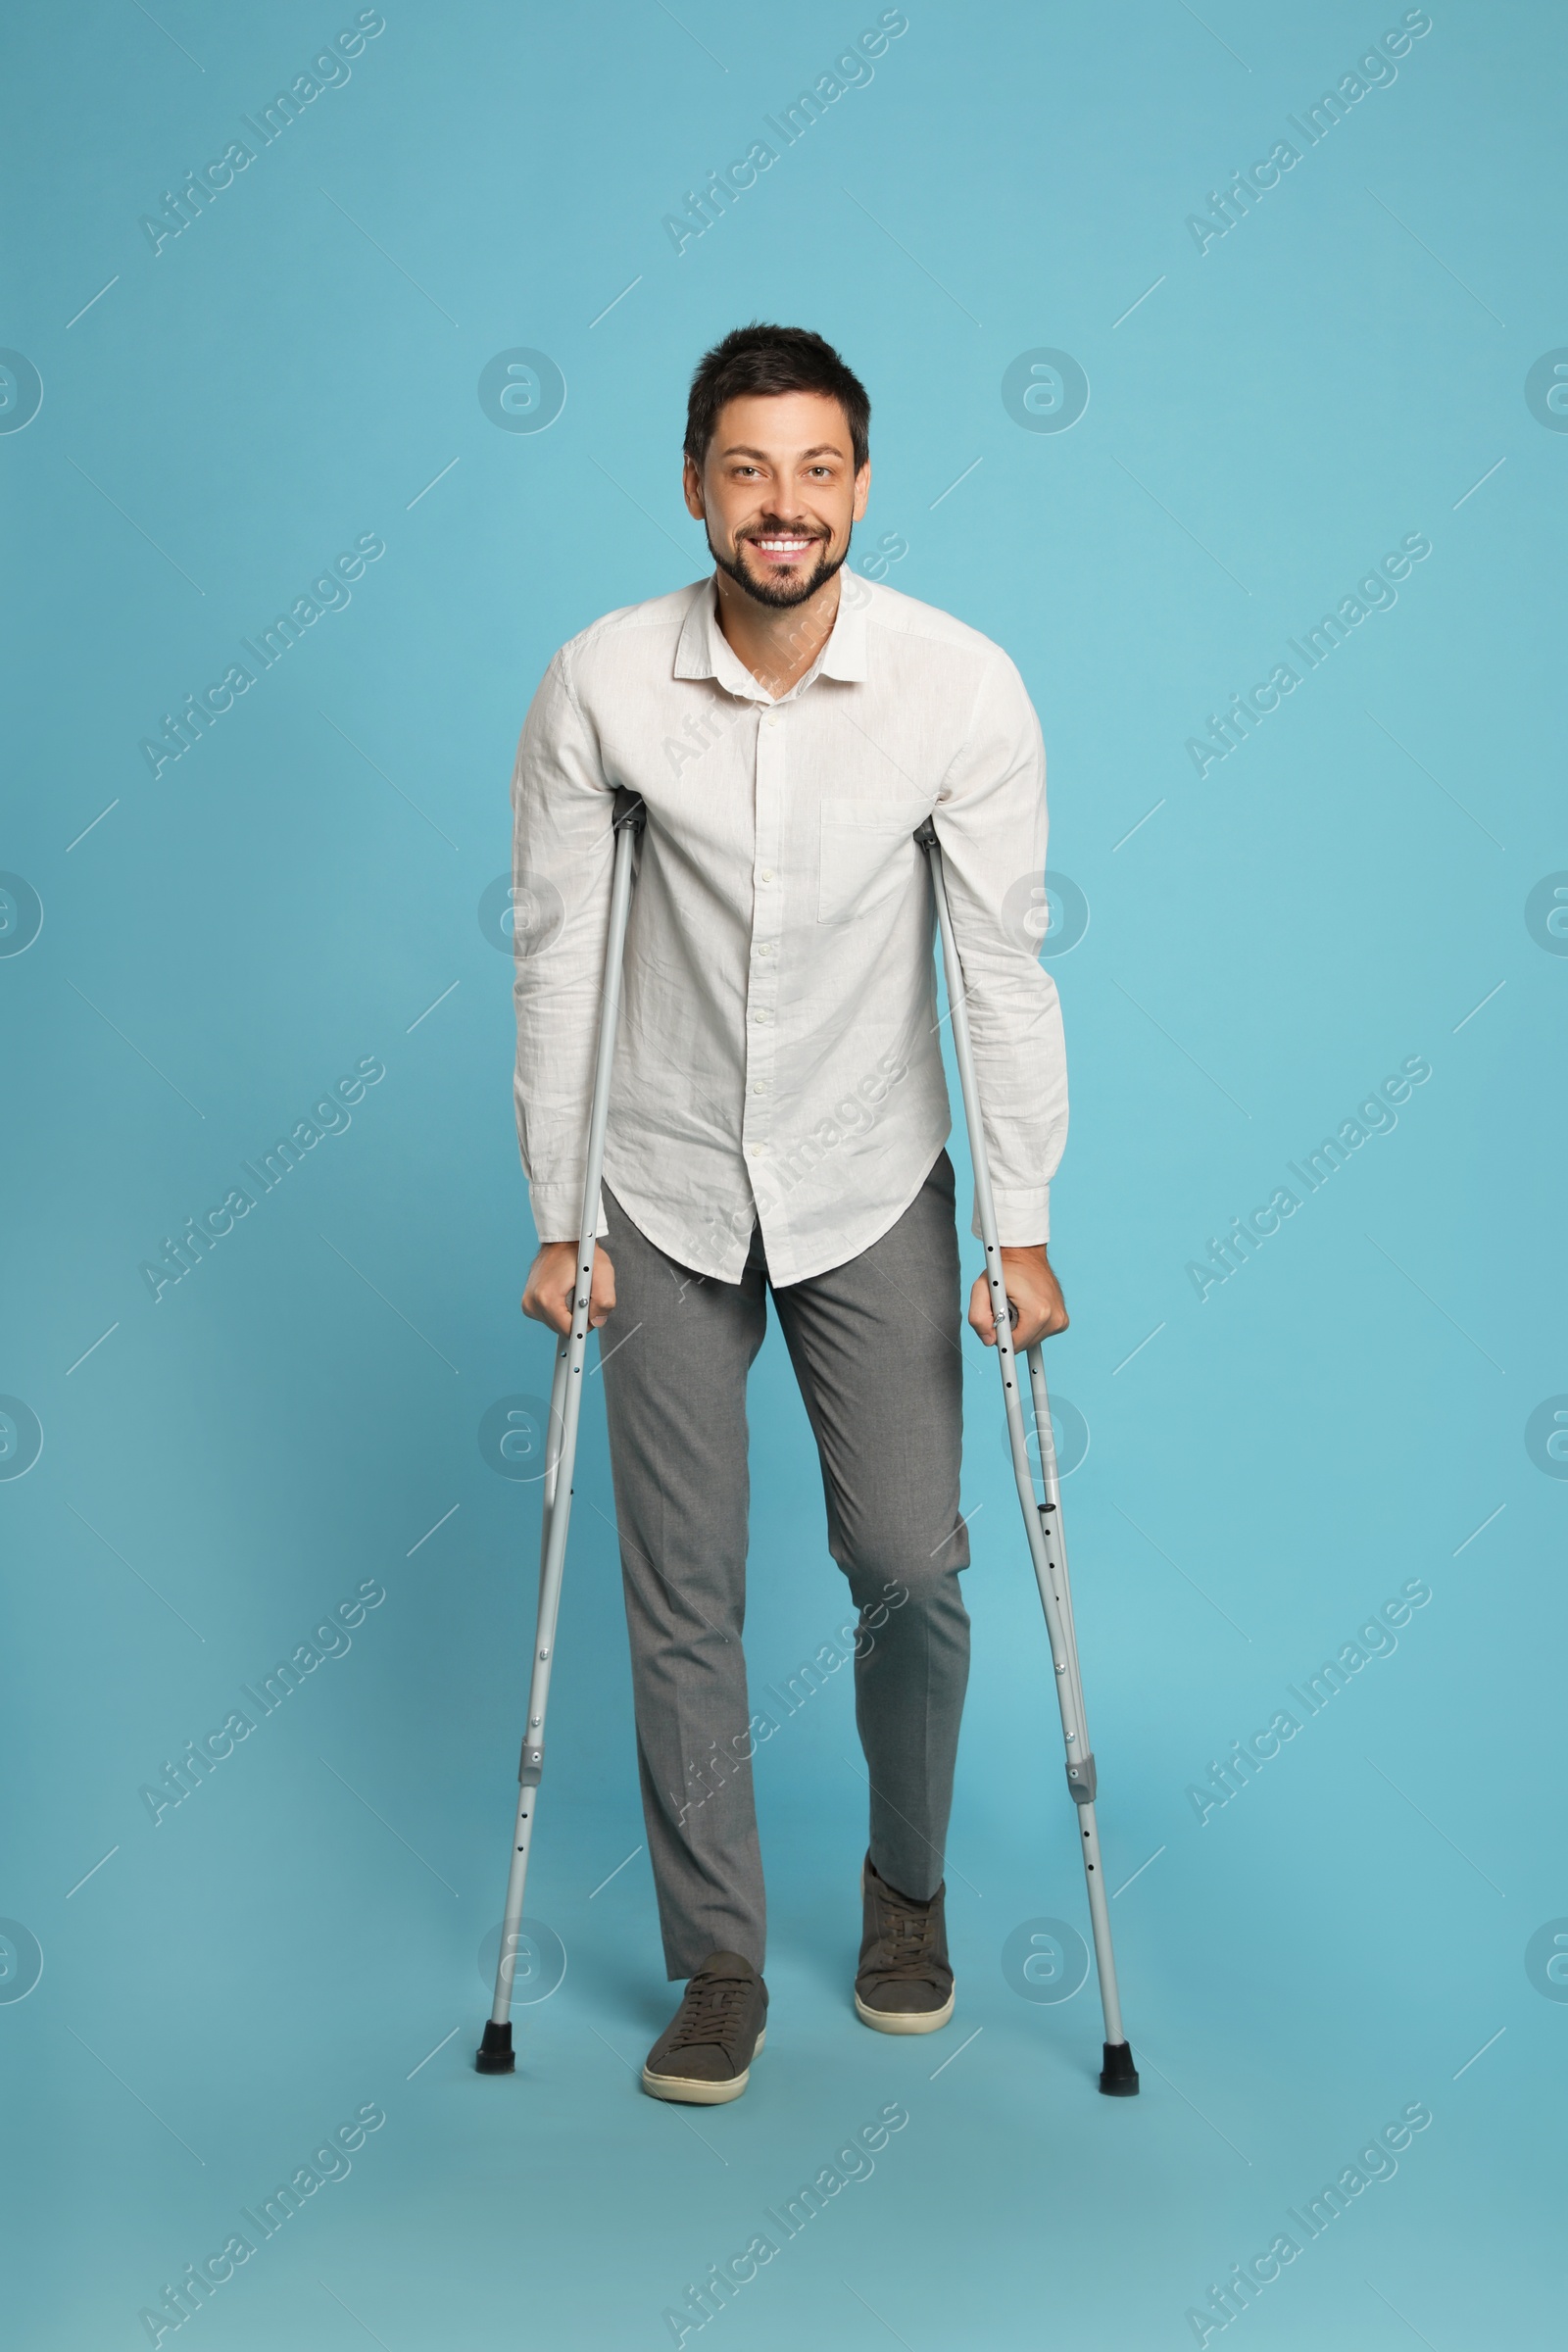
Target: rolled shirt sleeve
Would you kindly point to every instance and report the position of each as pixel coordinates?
(990, 819)
(563, 858)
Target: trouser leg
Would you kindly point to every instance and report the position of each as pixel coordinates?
(675, 1353)
(876, 1349)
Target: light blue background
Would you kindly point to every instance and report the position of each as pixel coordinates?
(1342, 368)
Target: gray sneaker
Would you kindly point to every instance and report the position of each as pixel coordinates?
(903, 1984)
(703, 2056)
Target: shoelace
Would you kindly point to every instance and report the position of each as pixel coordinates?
(708, 2013)
(909, 1933)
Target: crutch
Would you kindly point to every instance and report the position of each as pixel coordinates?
(1042, 1520)
(495, 2053)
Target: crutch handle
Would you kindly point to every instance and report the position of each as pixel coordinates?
(631, 811)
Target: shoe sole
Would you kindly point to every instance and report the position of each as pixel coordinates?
(689, 2091)
(905, 2021)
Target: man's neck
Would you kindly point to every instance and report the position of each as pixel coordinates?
(777, 647)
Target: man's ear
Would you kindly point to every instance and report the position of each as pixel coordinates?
(692, 485)
(862, 490)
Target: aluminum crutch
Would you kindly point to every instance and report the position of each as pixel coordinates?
(1042, 1520)
(495, 2053)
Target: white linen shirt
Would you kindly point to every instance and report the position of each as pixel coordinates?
(779, 1056)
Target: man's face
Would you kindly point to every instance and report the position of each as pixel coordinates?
(779, 493)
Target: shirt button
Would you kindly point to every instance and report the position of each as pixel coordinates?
(756, 1150)
(767, 873)
(758, 1088)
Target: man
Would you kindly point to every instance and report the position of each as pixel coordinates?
(776, 1125)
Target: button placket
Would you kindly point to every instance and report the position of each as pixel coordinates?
(761, 980)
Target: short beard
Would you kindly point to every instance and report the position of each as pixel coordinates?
(778, 599)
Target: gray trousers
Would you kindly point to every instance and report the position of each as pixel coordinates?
(875, 1347)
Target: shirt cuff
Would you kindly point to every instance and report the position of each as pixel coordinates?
(556, 1209)
(1023, 1217)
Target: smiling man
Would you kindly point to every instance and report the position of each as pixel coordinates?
(777, 1123)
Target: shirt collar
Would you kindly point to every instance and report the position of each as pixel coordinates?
(703, 650)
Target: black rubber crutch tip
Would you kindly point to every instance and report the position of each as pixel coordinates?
(494, 2055)
(1118, 2077)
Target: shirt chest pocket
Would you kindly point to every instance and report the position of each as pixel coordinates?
(867, 856)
